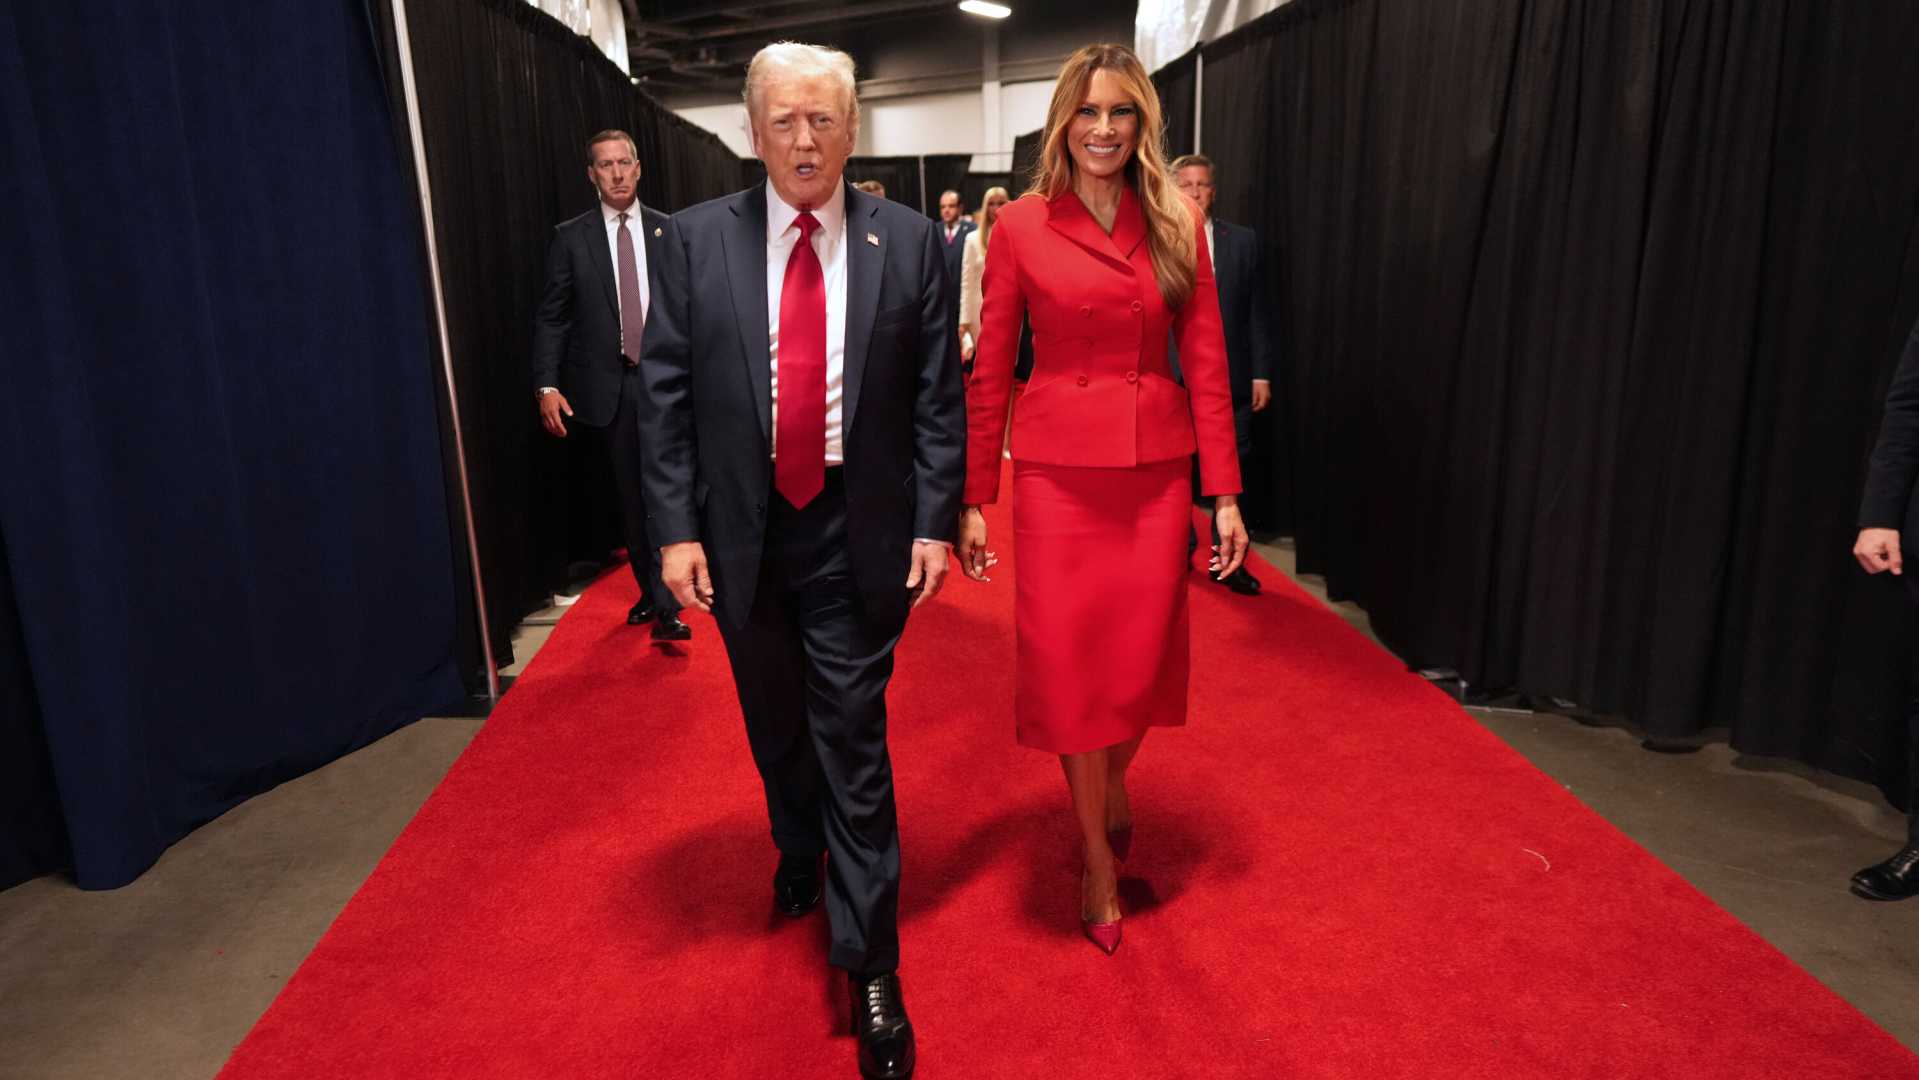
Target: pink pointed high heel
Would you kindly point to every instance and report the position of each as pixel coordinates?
(1103, 934)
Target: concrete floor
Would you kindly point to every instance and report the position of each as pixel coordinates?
(161, 979)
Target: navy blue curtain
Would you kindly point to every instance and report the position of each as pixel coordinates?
(221, 507)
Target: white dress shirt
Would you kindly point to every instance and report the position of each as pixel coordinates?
(829, 243)
(947, 236)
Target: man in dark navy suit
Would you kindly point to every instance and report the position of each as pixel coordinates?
(600, 271)
(1245, 314)
(806, 431)
(953, 229)
(1891, 504)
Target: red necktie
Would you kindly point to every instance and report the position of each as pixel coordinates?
(632, 310)
(799, 471)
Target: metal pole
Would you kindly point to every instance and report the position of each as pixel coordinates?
(923, 207)
(1199, 99)
(446, 346)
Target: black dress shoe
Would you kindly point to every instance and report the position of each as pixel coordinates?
(641, 613)
(885, 1034)
(670, 628)
(1894, 879)
(797, 885)
(1240, 582)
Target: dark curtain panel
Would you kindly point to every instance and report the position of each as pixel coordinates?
(508, 97)
(33, 836)
(1589, 310)
(973, 189)
(946, 172)
(1178, 86)
(222, 508)
(899, 175)
(1025, 161)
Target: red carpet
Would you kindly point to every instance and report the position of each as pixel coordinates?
(1337, 873)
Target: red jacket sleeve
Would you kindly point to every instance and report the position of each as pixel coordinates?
(991, 389)
(1202, 360)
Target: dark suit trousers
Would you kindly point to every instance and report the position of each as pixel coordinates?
(1243, 435)
(621, 438)
(812, 668)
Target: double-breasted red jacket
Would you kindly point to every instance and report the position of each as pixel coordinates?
(1102, 391)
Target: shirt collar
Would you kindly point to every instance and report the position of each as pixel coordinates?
(610, 216)
(780, 217)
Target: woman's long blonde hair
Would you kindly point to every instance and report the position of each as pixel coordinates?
(1169, 217)
(986, 217)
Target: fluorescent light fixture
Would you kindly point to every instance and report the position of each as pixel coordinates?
(981, 7)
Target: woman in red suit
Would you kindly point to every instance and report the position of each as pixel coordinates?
(1105, 258)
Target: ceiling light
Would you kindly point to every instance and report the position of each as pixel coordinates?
(981, 7)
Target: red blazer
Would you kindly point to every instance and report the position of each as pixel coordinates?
(1102, 392)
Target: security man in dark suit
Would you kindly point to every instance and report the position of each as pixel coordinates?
(1889, 508)
(955, 225)
(806, 430)
(600, 274)
(1245, 315)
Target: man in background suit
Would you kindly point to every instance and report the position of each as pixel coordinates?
(807, 431)
(1245, 314)
(600, 270)
(953, 230)
(1890, 504)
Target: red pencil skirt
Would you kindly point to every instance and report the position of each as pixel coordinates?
(1100, 567)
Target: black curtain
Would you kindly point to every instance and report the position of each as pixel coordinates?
(1589, 310)
(973, 188)
(899, 175)
(508, 97)
(946, 172)
(1178, 85)
(1025, 169)
(222, 512)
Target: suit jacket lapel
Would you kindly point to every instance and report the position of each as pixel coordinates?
(746, 273)
(603, 259)
(650, 231)
(864, 261)
(1069, 217)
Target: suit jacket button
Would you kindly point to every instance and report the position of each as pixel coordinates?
(759, 508)
(1085, 311)
(1137, 306)
(1132, 376)
(1083, 380)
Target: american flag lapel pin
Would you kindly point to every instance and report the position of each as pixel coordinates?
(657, 230)
(873, 239)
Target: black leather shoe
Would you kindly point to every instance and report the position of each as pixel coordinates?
(641, 613)
(797, 885)
(879, 1021)
(1894, 879)
(670, 628)
(1240, 582)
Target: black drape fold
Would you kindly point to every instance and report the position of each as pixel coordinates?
(508, 97)
(1178, 85)
(1587, 313)
(224, 529)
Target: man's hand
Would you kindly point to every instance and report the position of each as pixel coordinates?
(1262, 394)
(683, 569)
(975, 560)
(1878, 549)
(929, 570)
(1231, 550)
(551, 406)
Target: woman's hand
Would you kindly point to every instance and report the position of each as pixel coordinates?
(1230, 552)
(975, 560)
